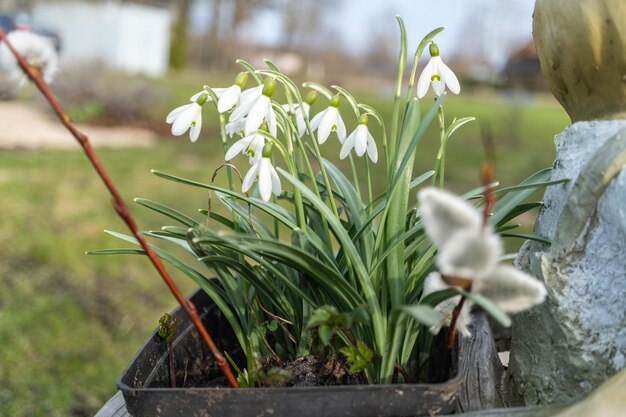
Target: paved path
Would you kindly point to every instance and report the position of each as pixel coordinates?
(23, 126)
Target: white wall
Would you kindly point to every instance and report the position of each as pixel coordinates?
(128, 37)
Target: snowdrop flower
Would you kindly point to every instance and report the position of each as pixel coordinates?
(269, 182)
(302, 112)
(361, 140)
(235, 127)
(470, 251)
(438, 74)
(36, 50)
(251, 145)
(188, 116)
(256, 107)
(227, 97)
(329, 120)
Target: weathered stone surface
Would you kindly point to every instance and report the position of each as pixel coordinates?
(566, 347)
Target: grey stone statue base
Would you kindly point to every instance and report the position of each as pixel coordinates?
(564, 348)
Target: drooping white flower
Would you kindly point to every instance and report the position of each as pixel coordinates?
(235, 127)
(434, 283)
(256, 107)
(188, 116)
(251, 145)
(361, 140)
(269, 182)
(36, 50)
(227, 97)
(300, 112)
(470, 250)
(438, 74)
(329, 120)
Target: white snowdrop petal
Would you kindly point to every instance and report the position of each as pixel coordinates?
(250, 94)
(184, 119)
(372, 151)
(469, 254)
(347, 145)
(257, 114)
(175, 113)
(237, 148)
(265, 179)
(449, 78)
(270, 118)
(317, 119)
(276, 186)
(248, 180)
(443, 214)
(511, 290)
(341, 128)
(247, 100)
(326, 125)
(196, 126)
(228, 98)
(424, 80)
(438, 87)
(360, 140)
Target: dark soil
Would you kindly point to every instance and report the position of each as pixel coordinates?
(312, 371)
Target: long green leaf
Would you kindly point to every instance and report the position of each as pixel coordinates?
(352, 253)
(167, 211)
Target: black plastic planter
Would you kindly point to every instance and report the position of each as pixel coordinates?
(145, 384)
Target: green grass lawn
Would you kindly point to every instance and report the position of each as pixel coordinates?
(69, 323)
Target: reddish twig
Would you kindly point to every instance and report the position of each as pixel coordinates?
(455, 318)
(488, 171)
(121, 208)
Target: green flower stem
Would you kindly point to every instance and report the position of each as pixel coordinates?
(391, 151)
(355, 175)
(440, 161)
(370, 195)
(314, 184)
(229, 170)
(297, 195)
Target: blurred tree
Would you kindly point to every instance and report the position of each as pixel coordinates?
(178, 42)
(490, 35)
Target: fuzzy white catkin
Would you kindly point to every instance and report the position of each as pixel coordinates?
(36, 50)
(434, 283)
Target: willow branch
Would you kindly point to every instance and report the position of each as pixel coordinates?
(122, 210)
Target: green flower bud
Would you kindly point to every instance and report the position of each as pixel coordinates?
(363, 119)
(311, 97)
(267, 150)
(335, 101)
(202, 99)
(241, 79)
(433, 49)
(269, 86)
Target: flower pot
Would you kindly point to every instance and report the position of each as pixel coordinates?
(145, 383)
